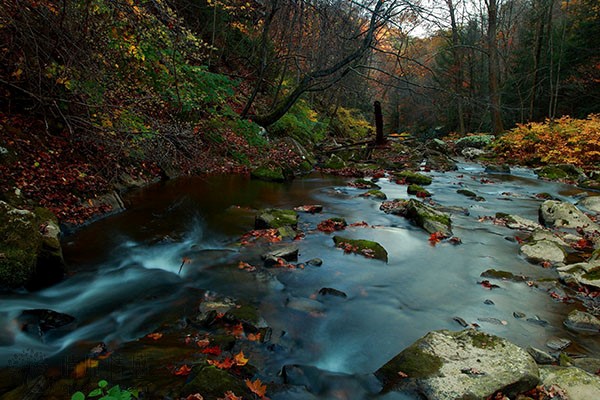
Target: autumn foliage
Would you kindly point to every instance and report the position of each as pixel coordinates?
(565, 140)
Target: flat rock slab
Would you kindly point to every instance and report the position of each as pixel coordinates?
(582, 321)
(587, 274)
(543, 250)
(592, 203)
(469, 364)
(275, 218)
(576, 383)
(558, 214)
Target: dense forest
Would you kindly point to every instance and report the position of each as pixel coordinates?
(92, 88)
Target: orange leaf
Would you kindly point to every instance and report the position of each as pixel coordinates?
(225, 364)
(238, 330)
(203, 343)
(253, 337)
(240, 360)
(184, 370)
(81, 368)
(155, 335)
(229, 395)
(214, 350)
(257, 387)
(195, 396)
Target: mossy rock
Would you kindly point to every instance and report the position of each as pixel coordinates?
(276, 218)
(466, 192)
(335, 162)
(414, 177)
(427, 217)
(418, 190)
(560, 171)
(213, 383)
(30, 252)
(365, 184)
(474, 141)
(366, 248)
(269, 172)
(496, 274)
(376, 194)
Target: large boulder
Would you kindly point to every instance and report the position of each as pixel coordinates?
(272, 218)
(558, 214)
(561, 172)
(30, 250)
(543, 251)
(582, 321)
(592, 203)
(574, 382)
(420, 214)
(475, 141)
(460, 365)
(269, 172)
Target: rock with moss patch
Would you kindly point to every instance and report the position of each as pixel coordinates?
(414, 177)
(505, 275)
(275, 218)
(460, 365)
(366, 248)
(585, 273)
(213, 383)
(497, 169)
(543, 251)
(417, 190)
(474, 141)
(421, 215)
(582, 321)
(574, 382)
(364, 184)
(558, 214)
(268, 172)
(470, 194)
(335, 162)
(560, 172)
(375, 194)
(30, 252)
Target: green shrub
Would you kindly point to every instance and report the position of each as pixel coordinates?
(350, 123)
(301, 123)
(114, 393)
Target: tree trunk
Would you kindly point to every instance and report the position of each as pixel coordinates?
(493, 67)
(379, 139)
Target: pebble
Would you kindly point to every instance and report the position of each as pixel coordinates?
(518, 314)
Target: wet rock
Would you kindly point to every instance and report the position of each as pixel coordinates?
(30, 250)
(418, 190)
(561, 171)
(543, 251)
(519, 314)
(497, 168)
(315, 262)
(518, 222)
(505, 275)
(475, 141)
(540, 356)
(537, 321)
(438, 145)
(275, 218)
(414, 177)
(582, 321)
(287, 253)
(587, 274)
(558, 214)
(38, 322)
(268, 172)
(364, 184)
(311, 209)
(489, 302)
(435, 366)
(439, 162)
(592, 203)
(542, 234)
(213, 383)
(588, 364)
(558, 344)
(461, 322)
(332, 292)
(366, 248)
(576, 383)
(470, 194)
(421, 215)
(376, 194)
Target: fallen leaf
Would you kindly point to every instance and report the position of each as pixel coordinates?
(214, 350)
(184, 370)
(240, 360)
(225, 364)
(402, 374)
(257, 387)
(229, 395)
(155, 335)
(238, 330)
(195, 396)
(80, 369)
(253, 337)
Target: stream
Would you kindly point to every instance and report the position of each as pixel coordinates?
(124, 280)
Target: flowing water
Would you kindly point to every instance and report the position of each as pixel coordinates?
(125, 282)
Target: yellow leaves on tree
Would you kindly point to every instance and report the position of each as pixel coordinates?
(562, 141)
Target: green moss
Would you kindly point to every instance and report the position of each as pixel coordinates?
(335, 162)
(564, 360)
(268, 172)
(213, 382)
(276, 218)
(492, 273)
(414, 177)
(363, 247)
(483, 340)
(552, 172)
(413, 361)
(305, 166)
(378, 194)
(592, 274)
(365, 184)
(245, 313)
(416, 189)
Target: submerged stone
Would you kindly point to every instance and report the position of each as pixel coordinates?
(366, 248)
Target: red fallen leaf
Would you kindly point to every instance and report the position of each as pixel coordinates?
(378, 174)
(422, 195)
(155, 335)
(583, 244)
(202, 343)
(436, 237)
(455, 240)
(214, 350)
(488, 285)
(225, 364)
(361, 223)
(184, 370)
(546, 264)
(331, 225)
(257, 388)
(519, 240)
(402, 375)
(237, 330)
(401, 181)
(246, 267)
